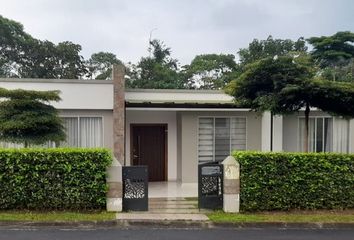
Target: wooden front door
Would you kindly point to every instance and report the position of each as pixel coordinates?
(148, 147)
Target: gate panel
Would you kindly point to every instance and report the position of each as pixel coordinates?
(135, 188)
(210, 186)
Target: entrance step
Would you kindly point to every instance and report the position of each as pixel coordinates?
(173, 210)
(174, 205)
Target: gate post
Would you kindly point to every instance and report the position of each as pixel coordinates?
(115, 186)
(231, 185)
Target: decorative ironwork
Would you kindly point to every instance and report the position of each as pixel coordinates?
(210, 186)
(135, 188)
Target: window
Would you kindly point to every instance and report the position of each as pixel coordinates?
(217, 137)
(83, 132)
(325, 135)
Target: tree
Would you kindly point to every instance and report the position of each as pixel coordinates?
(259, 49)
(27, 117)
(287, 84)
(156, 71)
(23, 56)
(334, 54)
(100, 65)
(13, 45)
(210, 71)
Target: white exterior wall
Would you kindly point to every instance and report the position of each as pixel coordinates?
(189, 138)
(158, 117)
(75, 94)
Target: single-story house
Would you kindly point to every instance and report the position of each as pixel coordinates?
(172, 131)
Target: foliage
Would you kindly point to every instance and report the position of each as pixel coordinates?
(100, 65)
(285, 181)
(53, 179)
(210, 71)
(287, 84)
(13, 44)
(261, 85)
(259, 49)
(331, 50)
(23, 56)
(335, 55)
(26, 117)
(156, 71)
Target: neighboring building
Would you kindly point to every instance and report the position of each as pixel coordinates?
(172, 131)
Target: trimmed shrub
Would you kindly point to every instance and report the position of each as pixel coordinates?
(284, 181)
(53, 179)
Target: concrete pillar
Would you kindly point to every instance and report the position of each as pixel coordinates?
(266, 131)
(277, 133)
(114, 172)
(115, 187)
(231, 185)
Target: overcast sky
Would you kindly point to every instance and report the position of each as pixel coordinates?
(189, 27)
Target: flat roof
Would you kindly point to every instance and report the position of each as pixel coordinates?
(177, 96)
(98, 94)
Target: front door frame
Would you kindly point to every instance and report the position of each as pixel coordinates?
(165, 125)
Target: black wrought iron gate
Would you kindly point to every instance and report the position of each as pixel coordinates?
(210, 185)
(135, 188)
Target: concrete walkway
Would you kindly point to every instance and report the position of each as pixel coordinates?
(162, 216)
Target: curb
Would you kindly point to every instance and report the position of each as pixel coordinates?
(126, 224)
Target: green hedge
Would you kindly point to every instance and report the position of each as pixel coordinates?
(46, 179)
(284, 181)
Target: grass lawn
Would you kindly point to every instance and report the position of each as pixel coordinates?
(296, 217)
(55, 216)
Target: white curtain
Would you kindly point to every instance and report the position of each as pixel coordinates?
(341, 135)
(71, 127)
(328, 135)
(11, 145)
(91, 132)
(311, 136)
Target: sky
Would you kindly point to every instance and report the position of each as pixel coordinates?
(188, 27)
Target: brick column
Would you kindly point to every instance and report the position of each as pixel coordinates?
(231, 185)
(114, 172)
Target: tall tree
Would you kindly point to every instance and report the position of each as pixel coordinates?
(27, 117)
(14, 42)
(23, 56)
(286, 84)
(100, 65)
(270, 47)
(210, 71)
(335, 55)
(156, 71)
